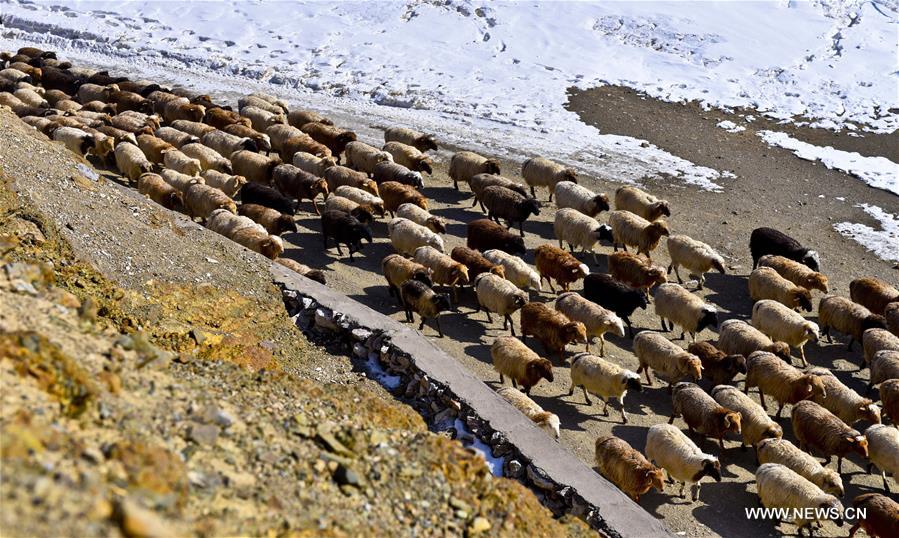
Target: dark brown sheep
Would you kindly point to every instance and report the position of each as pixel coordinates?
(819, 430)
(484, 235)
(702, 413)
(717, 366)
(296, 183)
(633, 271)
(503, 203)
(274, 222)
(221, 118)
(476, 263)
(873, 293)
(552, 328)
(396, 194)
(555, 264)
(334, 138)
(419, 298)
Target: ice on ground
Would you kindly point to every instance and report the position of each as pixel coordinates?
(373, 365)
(730, 126)
(884, 243)
(495, 464)
(878, 172)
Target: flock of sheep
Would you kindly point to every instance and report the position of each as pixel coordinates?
(190, 154)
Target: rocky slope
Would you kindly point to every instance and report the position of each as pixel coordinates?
(152, 385)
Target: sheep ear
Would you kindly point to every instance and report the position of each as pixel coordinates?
(850, 438)
(808, 388)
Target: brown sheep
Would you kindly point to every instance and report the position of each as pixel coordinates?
(334, 138)
(303, 270)
(552, 328)
(299, 117)
(484, 235)
(788, 385)
(717, 366)
(626, 467)
(154, 148)
(847, 317)
(466, 164)
(183, 111)
(795, 272)
(636, 273)
(274, 222)
(155, 188)
(396, 194)
(881, 516)
(200, 200)
(476, 263)
(889, 398)
(305, 144)
(555, 264)
(337, 176)
(819, 430)
(873, 293)
(514, 359)
(891, 314)
(130, 101)
(702, 413)
(398, 269)
(221, 118)
(296, 183)
(253, 166)
(630, 229)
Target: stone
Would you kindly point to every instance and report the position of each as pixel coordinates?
(203, 434)
(138, 522)
(324, 319)
(479, 525)
(514, 469)
(331, 443)
(540, 479)
(345, 476)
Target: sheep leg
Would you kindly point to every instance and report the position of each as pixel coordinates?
(521, 228)
(602, 346)
(886, 485)
(586, 399)
(489, 317)
(514, 383)
(762, 400)
(630, 328)
(854, 529)
(696, 491)
(664, 328)
(827, 333)
(511, 325)
(455, 293)
(561, 246)
(721, 444)
(623, 413)
(550, 282)
(502, 380)
(437, 323)
(315, 207)
(550, 193)
(475, 202)
(779, 411)
(701, 282)
(570, 248)
(683, 486)
(849, 345)
(533, 193)
(571, 389)
(840, 464)
(605, 405)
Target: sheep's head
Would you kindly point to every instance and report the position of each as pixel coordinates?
(615, 325)
(774, 431)
(874, 321)
(285, 223)
(813, 386)
(519, 300)
(363, 214)
(598, 204)
(569, 175)
(833, 484)
(316, 275)
(574, 331)
(632, 381)
(531, 206)
(604, 233)
(653, 478)
(194, 112)
(490, 166)
(548, 422)
(272, 247)
(424, 143)
(498, 270)
(832, 505)
(692, 365)
(369, 185)
(229, 206)
(540, 369)
(423, 276)
(459, 274)
(660, 208)
(345, 137)
(730, 420)
(424, 165)
(657, 229)
(710, 467)
(801, 298)
(811, 260)
(780, 349)
(514, 245)
(869, 411)
(441, 302)
(709, 318)
(857, 444)
(436, 225)
(656, 275)
(737, 363)
(421, 202)
(816, 281)
(146, 106)
(248, 144)
(718, 264)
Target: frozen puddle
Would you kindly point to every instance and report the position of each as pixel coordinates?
(884, 243)
(878, 172)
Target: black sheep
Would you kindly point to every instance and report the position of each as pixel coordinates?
(765, 241)
(102, 78)
(607, 292)
(254, 193)
(418, 297)
(484, 235)
(503, 203)
(53, 78)
(345, 229)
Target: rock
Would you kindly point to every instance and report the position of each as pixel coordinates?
(345, 476)
(203, 434)
(331, 443)
(219, 416)
(514, 469)
(459, 504)
(540, 479)
(324, 319)
(138, 522)
(479, 525)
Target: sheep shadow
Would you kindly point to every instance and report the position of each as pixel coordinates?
(728, 292)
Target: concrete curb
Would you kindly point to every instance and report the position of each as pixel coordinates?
(440, 388)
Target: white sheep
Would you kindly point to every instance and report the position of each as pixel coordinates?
(756, 425)
(670, 362)
(280, 133)
(421, 216)
(641, 203)
(672, 450)
(227, 183)
(262, 119)
(883, 451)
(498, 295)
(364, 158)
(780, 487)
(695, 256)
(784, 325)
(224, 222)
(181, 182)
(312, 164)
(682, 308)
(595, 318)
(464, 165)
(783, 452)
(74, 139)
(577, 229)
(874, 340)
(406, 236)
(225, 143)
(517, 270)
(131, 161)
(631, 229)
(445, 270)
(766, 283)
(175, 159)
(540, 172)
(208, 157)
(361, 197)
(736, 337)
(843, 401)
(546, 421)
(884, 366)
(604, 379)
(570, 194)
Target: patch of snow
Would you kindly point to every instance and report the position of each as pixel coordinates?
(730, 126)
(495, 464)
(878, 172)
(373, 366)
(884, 243)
